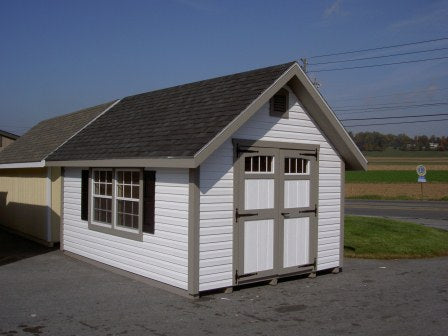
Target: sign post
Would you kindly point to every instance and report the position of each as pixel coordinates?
(421, 172)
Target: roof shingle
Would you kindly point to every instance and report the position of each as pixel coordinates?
(172, 122)
(36, 144)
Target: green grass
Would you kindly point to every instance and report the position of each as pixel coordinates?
(381, 197)
(396, 198)
(394, 176)
(390, 152)
(379, 238)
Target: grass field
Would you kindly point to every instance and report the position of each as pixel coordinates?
(379, 238)
(390, 152)
(394, 176)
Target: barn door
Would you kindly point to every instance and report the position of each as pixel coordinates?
(275, 212)
(256, 213)
(298, 209)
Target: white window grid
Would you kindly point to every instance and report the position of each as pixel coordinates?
(102, 191)
(129, 204)
(260, 164)
(297, 166)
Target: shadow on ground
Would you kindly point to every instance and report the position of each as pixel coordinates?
(14, 248)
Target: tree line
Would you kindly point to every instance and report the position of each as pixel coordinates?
(375, 141)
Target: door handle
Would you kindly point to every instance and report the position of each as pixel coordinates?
(285, 214)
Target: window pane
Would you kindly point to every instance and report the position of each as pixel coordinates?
(96, 215)
(293, 163)
(127, 191)
(135, 177)
(97, 176)
(247, 164)
(120, 219)
(135, 222)
(127, 177)
(269, 163)
(109, 176)
(300, 166)
(287, 165)
(120, 206)
(102, 189)
(135, 192)
(102, 176)
(97, 188)
(128, 207)
(119, 190)
(128, 220)
(109, 190)
(109, 204)
(255, 164)
(262, 163)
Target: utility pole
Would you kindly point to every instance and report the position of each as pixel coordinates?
(305, 70)
(305, 65)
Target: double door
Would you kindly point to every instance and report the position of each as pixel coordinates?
(276, 211)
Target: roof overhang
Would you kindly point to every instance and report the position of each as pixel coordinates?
(156, 163)
(18, 165)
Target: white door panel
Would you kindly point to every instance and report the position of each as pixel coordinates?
(296, 242)
(258, 194)
(297, 194)
(258, 245)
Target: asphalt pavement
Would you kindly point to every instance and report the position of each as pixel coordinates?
(429, 213)
(53, 294)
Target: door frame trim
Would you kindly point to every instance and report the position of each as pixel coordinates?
(237, 167)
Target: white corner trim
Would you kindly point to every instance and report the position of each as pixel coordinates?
(38, 164)
(91, 121)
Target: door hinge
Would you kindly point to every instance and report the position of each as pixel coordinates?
(315, 154)
(240, 150)
(238, 215)
(237, 276)
(311, 210)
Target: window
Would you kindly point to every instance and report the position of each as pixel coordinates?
(279, 104)
(258, 164)
(128, 198)
(102, 196)
(296, 166)
(117, 203)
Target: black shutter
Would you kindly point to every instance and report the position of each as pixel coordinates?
(85, 195)
(149, 191)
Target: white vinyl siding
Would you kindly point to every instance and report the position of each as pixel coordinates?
(216, 200)
(162, 256)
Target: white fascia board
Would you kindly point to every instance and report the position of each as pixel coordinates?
(39, 164)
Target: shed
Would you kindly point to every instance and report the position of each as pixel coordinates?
(30, 191)
(212, 184)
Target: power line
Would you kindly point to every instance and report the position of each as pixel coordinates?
(420, 91)
(397, 123)
(384, 64)
(379, 48)
(391, 107)
(375, 57)
(397, 117)
(391, 104)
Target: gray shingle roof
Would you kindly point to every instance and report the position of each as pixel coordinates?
(36, 144)
(173, 122)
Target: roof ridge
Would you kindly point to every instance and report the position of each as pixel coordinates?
(213, 78)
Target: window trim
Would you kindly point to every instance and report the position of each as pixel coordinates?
(113, 229)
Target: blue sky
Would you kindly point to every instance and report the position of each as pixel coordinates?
(57, 56)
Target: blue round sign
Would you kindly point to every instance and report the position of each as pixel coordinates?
(421, 170)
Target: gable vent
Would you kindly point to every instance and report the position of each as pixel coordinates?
(279, 104)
